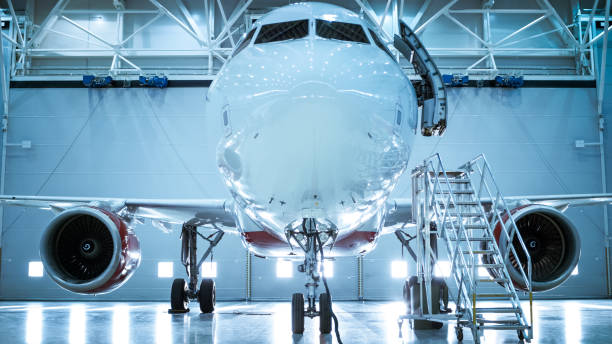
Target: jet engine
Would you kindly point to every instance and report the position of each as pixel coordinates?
(551, 240)
(88, 250)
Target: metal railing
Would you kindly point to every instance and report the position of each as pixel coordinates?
(501, 215)
(435, 201)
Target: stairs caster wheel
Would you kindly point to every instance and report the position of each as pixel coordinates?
(297, 313)
(459, 333)
(521, 336)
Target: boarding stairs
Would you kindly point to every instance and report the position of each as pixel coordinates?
(459, 210)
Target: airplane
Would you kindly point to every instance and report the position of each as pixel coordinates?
(319, 121)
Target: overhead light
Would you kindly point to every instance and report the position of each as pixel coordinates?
(98, 19)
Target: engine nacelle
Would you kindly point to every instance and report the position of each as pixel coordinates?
(551, 240)
(88, 250)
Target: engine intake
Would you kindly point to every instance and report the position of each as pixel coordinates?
(551, 240)
(89, 250)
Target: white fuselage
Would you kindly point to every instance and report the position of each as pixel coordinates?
(314, 128)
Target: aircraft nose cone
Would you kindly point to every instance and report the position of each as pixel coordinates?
(314, 149)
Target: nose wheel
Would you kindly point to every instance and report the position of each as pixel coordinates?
(297, 313)
(305, 305)
(325, 317)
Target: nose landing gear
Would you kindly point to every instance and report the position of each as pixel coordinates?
(182, 292)
(312, 246)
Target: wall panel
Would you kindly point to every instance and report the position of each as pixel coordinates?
(150, 143)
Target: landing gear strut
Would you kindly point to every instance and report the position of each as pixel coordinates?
(183, 292)
(309, 239)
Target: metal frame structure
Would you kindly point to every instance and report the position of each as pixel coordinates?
(214, 41)
(212, 45)
(448, 208)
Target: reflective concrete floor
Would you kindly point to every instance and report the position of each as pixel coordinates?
(574, 321)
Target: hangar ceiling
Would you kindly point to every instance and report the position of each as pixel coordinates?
(189, 39)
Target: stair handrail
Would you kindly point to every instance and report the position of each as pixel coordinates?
(501, 203)
(499, 200)
(434, 172)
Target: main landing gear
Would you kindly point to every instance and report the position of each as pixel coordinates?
(309, 239)
(182, 292)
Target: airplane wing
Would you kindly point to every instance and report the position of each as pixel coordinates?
(162, 212)
(400, 210)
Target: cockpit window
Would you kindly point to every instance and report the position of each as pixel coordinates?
(282, 31)
(379, 43)
(245, 42)
(341, 31)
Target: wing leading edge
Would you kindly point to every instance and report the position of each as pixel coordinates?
(400, 210)
(163, 212)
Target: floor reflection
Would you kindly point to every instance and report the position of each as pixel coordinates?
(163, 325)
(34, 324)
(120, 331)
(77, 326)
(572, 321)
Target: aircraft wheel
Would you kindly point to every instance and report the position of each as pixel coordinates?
(324, 313)
(178, 295)
(207, 295)
(297, 313)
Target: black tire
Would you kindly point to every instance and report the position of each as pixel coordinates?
(406, 292)
(297, 313)
(436, 325)
(178, 295)
(521, 337)
(459, 333)
(325, 313)
(408, 285)
(207, 295)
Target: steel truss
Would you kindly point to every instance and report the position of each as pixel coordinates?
(222, 27)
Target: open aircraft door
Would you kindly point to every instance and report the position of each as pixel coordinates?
(431, 93)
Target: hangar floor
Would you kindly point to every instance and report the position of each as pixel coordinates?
(568, 321)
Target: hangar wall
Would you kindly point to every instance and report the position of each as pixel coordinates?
(152, 143)
(606, 111)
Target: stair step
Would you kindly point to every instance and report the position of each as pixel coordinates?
(472, 239)
(497, 310)
(455, 192)
(467, 214)
(496, 280)
(491, 266)
(479, 252)
(459, 180)
(498, 321)
(493, 295)
(504, 327)
(461, 203)
(475, 226)
(451, 225)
